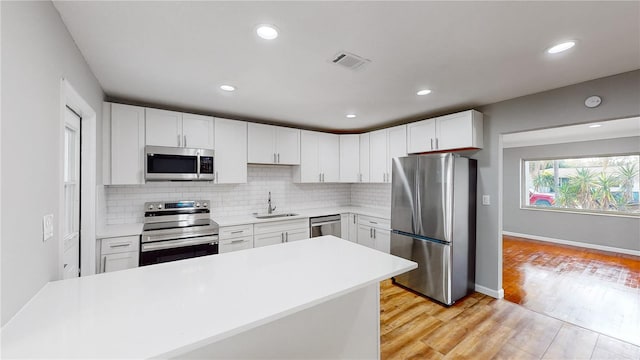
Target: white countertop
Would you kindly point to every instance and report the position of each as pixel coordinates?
(110, 231)
(172, 308)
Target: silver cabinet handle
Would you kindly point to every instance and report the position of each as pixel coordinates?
(286, 237)
(354, 219)
(274, 158)
(373, 222)
(322, 177)
(282, 237)
(278, 158)
(119, 245)
(185, 140)
(237, 232)
(437, 147)
(371, 232)
(237, 241)
(374, 233)
(178, 140)
(104, 263)
(319, 177)
(431, 143)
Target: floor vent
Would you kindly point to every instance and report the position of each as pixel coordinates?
(350, 61)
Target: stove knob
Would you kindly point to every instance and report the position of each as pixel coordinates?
(150, 207)
(159, 206)
(197, 204)
(205, 204)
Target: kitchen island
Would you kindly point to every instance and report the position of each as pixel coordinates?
(315, 298)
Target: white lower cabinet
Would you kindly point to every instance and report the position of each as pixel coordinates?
(278, 232)
(349, 227)
(235, 244)
(118, 253)
(374, 233)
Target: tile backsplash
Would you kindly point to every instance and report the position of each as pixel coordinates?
(371, 195)
(125, 204)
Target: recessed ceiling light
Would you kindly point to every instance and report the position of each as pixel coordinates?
(423, 92)
(351, 116)
(595, 126)
(267, 32)
(227, 87)
(561, 47)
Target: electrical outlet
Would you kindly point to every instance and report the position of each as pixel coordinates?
(47, 227)
(486, 200)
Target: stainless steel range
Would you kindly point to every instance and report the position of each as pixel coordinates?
(177, 230)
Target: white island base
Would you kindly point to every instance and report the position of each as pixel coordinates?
(315, 298)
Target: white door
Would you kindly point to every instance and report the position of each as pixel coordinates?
(382, 240)
(309, 158)
(329, 157)
(260, 140)
(120, 261)
(287, 146)
(364, 157)
(421, 136)
(455, 131)
(353, 228)
(295, 235)
(268, 239)
(241, 243)
(378, 156)
(197, 131)
(71, 216)
(164, 128)
(230, 161)
(365, 236)
(350, 158)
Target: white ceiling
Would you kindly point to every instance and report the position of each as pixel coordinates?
(176, 54)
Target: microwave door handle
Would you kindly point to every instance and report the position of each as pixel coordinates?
(197, 163)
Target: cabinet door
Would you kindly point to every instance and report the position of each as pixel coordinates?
(455, 131)
(421, 136)
(120, 261)
(349, 158)
(364, 157)
(197, 131)
(378, 156)
(353, 228)
(261, 144)
(329, 153)
(382, 240)
(163, 128)
(365, 236)
(287, 146)
(309, 170)
(295, 235)
(397, 137)
(236, 244)
(344, 226)
(230, 161)
(127, 144)
(268, 239)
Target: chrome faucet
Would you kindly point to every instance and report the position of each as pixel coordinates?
(270, 209)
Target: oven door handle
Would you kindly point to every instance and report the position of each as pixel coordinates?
(169, 244)
(325, 223)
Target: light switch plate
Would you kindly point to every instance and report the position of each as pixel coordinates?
(47, 227)
(486, 200)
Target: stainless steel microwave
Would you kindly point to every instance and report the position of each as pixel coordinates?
(178, 164)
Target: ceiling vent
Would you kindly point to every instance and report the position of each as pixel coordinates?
(349, 60)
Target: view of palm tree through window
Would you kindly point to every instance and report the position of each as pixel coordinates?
(605, 184)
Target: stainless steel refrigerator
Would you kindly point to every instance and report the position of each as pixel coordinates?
(433, 222)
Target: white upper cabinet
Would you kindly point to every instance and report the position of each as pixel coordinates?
(170, 128)
(273, 145)
(456, 131)
(349, 158)
(319, 158)
(198, 131)
(364, 157)
(126, 144)
(230, 161)
(384, 145)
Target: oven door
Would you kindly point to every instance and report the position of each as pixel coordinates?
(177, 249)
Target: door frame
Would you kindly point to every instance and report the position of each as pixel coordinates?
(70, 97)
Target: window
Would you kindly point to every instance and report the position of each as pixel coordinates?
(605, 184)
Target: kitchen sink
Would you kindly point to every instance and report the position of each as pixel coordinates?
(270, 216)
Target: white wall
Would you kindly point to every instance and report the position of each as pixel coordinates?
(613, 231)
(564, 106)
(37, 52)
(125, 204)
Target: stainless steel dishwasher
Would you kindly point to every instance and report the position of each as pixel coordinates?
(325, 225)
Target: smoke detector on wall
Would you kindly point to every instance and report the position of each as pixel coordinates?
(349, 60)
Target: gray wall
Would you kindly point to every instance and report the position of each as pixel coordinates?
(620, 98)
(37, 52)
(614, 231)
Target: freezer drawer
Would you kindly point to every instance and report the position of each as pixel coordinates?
(433, 275)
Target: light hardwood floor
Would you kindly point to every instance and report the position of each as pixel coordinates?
(481, 327)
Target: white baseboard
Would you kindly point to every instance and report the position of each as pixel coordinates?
(498, 294)
(573, 243)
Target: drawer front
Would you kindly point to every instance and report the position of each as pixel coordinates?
(120, 244)
(374, 222)
(232, 232)
(280, 226)
(236, 244)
